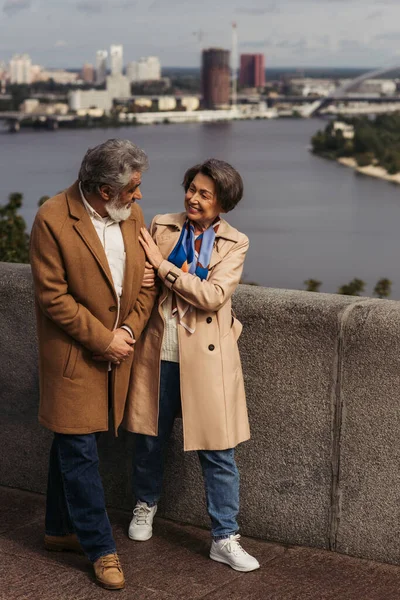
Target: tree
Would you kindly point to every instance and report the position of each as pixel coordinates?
(42, 200)
(14, 241)
(383, 288)
(354, 288)
(313, 285)
(365, 159)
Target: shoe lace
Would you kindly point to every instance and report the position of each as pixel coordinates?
(232, 545)
(110, 561)
(141, 514)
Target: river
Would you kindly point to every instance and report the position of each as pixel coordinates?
(305, 217)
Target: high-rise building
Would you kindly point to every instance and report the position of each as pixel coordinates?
(153, 68)
(216, 75)
(118, 86)
(3, 71)
(88, 73)
(117, 59)
(21, 69)
(146, 69)
(252, 70)
(101, 66)
(132, 71)
(36, 73)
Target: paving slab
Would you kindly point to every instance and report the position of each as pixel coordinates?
(32, 580)
(174, 565)
(309, 574)
(174, 562)
(19, 508)
(176, 559)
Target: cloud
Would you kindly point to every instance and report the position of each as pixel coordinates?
(258, 11)
(389, 36)
(292, 44)
(60, 44)
(90, 6)
(377, 14)
(254, 43)
(11, 7)
(98, 6)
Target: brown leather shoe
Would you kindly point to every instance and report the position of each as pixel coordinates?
(109, 573)
(62, 543)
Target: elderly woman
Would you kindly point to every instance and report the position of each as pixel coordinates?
(187, 360)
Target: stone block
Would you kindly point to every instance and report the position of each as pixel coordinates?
(369, 476)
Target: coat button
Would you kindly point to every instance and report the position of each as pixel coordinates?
(209, 319)
(113, 309)
(211, 347)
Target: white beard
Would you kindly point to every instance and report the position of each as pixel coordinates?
(117, 212)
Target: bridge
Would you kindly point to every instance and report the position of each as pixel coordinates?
(342, 92)
(51, 122)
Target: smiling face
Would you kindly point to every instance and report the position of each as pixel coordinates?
(201, 202)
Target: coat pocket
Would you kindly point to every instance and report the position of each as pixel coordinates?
(236, 327)
(72, 355)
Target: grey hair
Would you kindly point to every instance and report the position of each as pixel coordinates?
(111, 163)
(228, 182)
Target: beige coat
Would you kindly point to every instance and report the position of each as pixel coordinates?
(77, 308)
(212, 391)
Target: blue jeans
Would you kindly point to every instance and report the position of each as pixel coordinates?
(221, 477)
(75, 497)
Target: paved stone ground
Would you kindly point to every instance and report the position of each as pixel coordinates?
(174, 565)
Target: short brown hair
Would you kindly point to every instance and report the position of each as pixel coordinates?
(228, 182)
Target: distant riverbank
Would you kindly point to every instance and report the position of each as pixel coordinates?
(369, 146)
(370, 170)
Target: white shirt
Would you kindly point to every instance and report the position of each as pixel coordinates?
(110, 235)
(170, 343)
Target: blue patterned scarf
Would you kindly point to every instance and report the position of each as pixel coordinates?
(193, 255)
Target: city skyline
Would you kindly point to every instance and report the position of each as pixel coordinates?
(320, 33)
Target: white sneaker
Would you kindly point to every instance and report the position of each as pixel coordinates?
(141, 526)
(230, 552)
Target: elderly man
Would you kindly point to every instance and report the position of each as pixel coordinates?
(88, 268)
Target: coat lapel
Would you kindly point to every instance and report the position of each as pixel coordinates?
(84, 228)
(215, 258)
(167, 242)
(225, 232)
(169, 237)
(130, 234)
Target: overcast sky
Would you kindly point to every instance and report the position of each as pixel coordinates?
(66, 33)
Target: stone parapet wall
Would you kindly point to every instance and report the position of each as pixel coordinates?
(322, 376)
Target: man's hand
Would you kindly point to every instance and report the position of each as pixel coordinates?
(120, 348)
(149, 277)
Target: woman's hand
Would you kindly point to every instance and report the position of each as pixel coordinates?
(149, 277)
(153, 254)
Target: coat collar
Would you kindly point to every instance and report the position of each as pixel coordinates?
(177, 220)
(87, 232)
(166, 242)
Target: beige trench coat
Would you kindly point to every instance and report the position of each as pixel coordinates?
(77, 310)
(212, 391)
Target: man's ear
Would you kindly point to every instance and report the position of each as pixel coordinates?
(105, 192)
